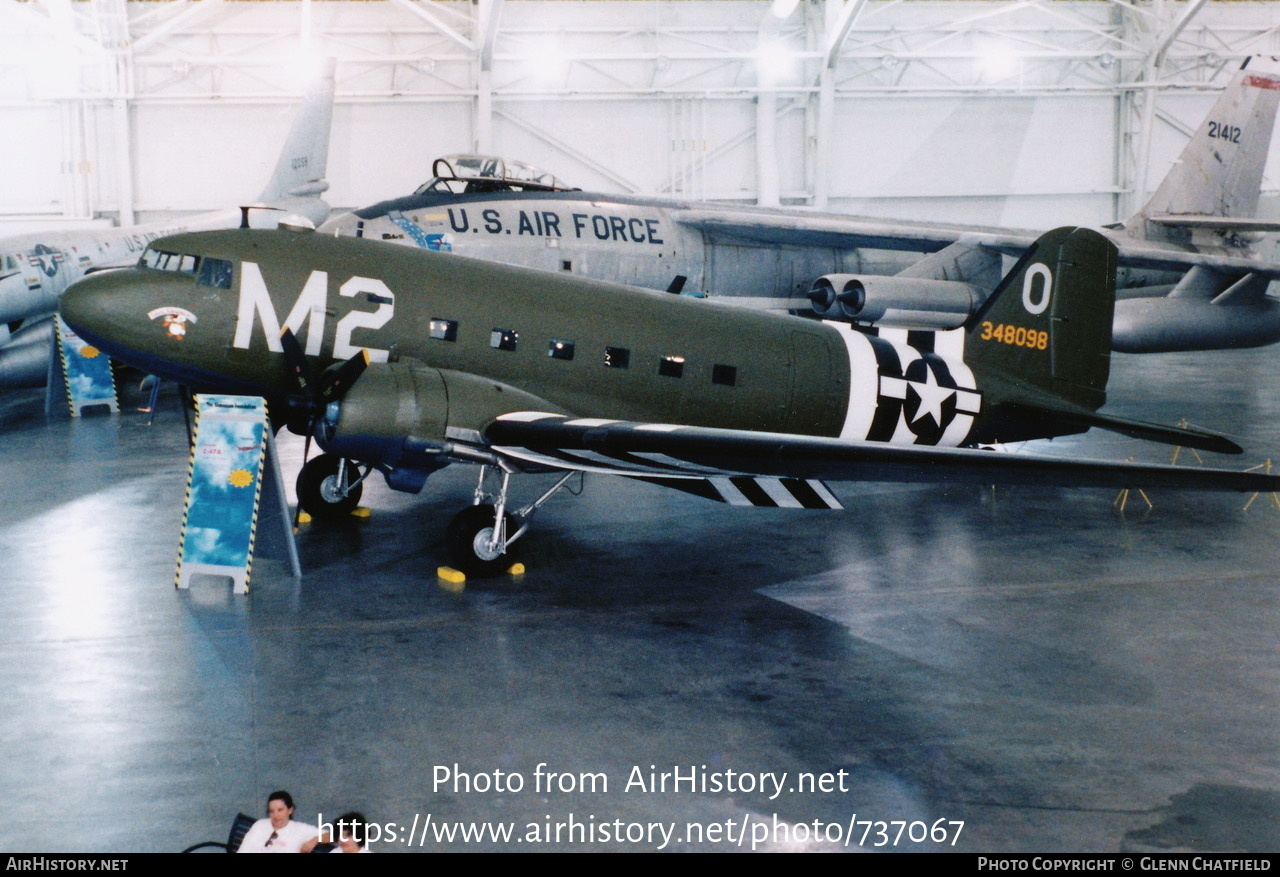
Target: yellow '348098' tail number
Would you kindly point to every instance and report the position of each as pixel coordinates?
(1019, 336)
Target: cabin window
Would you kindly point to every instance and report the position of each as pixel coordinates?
(671, 366)
(617, 357)
(444, 330)
(504, 339)
(187, 265)
(215, 273)
(724, 375)
(560, 349)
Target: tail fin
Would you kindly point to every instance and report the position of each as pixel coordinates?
(1040, 347)
(1048, 323)
(1219, 174)
(300, 170)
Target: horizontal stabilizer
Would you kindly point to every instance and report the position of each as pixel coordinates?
(1140, 429)
(1217, 223)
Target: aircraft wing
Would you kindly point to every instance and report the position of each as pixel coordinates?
(751, 468)
(845, 232)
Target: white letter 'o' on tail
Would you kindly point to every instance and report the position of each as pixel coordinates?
(1028, 285)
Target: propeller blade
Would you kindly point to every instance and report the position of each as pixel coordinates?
(297, 361)
(337, 380)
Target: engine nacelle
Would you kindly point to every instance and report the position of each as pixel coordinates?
(409, 419)
(900, 302)
(24, 358)
(1156, 325)
(394, 414)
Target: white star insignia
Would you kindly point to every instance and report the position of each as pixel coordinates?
(48, 261)
(932, 395)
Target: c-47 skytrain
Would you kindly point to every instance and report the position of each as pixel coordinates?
(403, 361)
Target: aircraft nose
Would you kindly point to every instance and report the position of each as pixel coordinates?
(90, 306)
(118, 311)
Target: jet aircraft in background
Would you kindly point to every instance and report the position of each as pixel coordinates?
(1208, 290)
(426, 359)
(36, 268)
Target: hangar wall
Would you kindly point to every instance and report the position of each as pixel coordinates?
(1007, 113)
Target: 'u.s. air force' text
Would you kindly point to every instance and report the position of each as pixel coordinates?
(692, 778)
(549, 224)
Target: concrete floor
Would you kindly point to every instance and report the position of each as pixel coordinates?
(1056, 675)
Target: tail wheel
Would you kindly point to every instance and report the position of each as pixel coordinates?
(469, 542)
(323, 493)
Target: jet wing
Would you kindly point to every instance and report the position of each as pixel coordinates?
(739, 465)
(846, 232)
(843, 232)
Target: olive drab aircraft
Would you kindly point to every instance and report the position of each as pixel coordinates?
(36, 268)
(1190, 278)
(404, 360)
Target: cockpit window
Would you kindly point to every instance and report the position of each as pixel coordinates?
(215, 272)
(185, 263)
(457, 174)
(162, 260)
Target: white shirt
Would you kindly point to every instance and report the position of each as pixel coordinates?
(287, 840)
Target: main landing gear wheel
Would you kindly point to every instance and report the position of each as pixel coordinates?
(327, 490)
(469, 542)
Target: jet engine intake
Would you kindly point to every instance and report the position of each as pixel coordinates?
(898, 302)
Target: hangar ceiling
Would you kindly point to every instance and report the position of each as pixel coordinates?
(748, 99)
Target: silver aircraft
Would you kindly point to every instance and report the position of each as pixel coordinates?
(36, 268)
(1189, 277)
